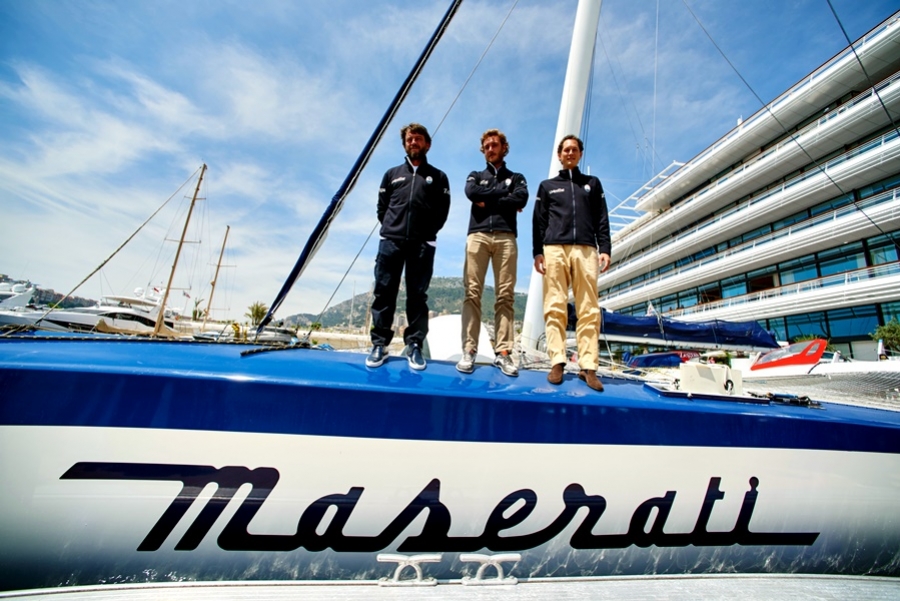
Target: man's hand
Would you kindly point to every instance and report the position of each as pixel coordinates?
(539, 264)
(603, 262)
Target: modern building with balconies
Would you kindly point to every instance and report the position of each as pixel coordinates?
(791, 219)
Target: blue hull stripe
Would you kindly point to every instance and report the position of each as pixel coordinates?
(193, 386)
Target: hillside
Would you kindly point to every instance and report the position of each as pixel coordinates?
(445, 296)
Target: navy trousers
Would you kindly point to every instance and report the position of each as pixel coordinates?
(393, 256)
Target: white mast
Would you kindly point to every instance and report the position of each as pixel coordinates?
(571, 111)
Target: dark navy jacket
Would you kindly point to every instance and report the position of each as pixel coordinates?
(503, 193)
(413, 205)
(571, 209)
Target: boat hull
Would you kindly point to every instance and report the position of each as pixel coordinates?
(136, 461)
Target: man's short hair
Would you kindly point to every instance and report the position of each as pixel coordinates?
(496, 132)
(416, 128)
(570, 137)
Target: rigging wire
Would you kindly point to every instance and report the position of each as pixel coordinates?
(433, 135)
(863, 67)
(121, 246)
(475, 68)
(655, 79)
(792, 136)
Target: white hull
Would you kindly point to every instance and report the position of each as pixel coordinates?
(72, 526)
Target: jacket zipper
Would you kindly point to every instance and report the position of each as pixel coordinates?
(574, 214)
(409, 208)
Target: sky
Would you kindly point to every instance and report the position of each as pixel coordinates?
(109, 107)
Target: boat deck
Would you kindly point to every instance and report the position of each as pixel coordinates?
(748, 587)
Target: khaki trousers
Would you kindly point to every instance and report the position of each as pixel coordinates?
(500, 250)
(575, 266)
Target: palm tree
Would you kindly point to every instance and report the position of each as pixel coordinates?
(256, 312)
(197, 314)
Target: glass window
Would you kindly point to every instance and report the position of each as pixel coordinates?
(710, 293)
(881, 186)
(688, 298)
(831, 205)
(798, 270)
(789, 221)
(841, 260)
(667, 303)
(883, 250)
(890, 311)
(852, 321)
(808, 324)
(777, 326)
(757, 233)
(761, 279)
(733, 288)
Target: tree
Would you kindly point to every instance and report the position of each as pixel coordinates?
(256, 312)
(889, 333)
(197, 314)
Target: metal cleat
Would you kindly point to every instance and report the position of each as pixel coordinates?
(406, 561)
(489, 560)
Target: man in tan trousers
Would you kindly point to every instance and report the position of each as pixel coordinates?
(571, 246)
(497, 195)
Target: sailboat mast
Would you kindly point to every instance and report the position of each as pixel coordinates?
(212, 287)
(571, 112)
(160, 318)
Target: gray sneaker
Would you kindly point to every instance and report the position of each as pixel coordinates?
(505, 363)
(467, 364)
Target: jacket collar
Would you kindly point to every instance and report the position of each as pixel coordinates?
(411, 166)
(569, 174)
(495, 170)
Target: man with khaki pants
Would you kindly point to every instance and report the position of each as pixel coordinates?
(497, 195)
(571, 246)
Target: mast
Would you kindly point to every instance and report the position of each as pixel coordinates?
(161, 316)
(212, 288)
(571, 112)
(337, 201)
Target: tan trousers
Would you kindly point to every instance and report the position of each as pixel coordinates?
(575, 266)
(500, 250)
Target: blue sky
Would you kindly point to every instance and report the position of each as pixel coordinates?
(107, 107)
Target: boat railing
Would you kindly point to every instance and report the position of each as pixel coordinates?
(836, 62)
(664, 248)
(843, 279)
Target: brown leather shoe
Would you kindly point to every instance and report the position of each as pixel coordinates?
(590, 378)
(556, 373)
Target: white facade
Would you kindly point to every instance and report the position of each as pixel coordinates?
(789, 219)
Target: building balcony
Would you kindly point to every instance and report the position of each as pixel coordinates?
(860, 287)
(844, 225)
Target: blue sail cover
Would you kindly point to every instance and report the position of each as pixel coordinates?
(716, 333)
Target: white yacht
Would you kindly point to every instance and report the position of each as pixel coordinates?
(113, 314)
(15, 295)
(791, 218)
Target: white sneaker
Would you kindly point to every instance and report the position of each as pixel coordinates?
(505, 363)
(467, 364)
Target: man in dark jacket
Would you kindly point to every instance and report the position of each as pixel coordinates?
(571, 242)
(413, 203)
(497, 195)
